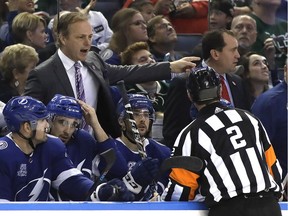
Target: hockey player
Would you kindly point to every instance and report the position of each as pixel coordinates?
(31, 161)
(66, 114)
(241, 175)
(140, 173)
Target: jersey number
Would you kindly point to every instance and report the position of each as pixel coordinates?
(235, 139)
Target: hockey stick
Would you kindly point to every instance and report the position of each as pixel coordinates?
(190, 163)
(136, 134)
(110, 157)
(129, 113)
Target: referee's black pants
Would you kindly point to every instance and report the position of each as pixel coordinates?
(260, 204)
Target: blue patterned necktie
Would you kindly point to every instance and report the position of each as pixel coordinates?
(79, 83)
(80, 90)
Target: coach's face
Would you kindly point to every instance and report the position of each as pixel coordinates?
(77, 43)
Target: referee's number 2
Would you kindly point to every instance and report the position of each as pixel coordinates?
(236, 138)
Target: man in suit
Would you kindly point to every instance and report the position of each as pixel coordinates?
(57, 74)
(220, 51)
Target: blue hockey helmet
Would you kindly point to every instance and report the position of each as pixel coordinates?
(137, 101)
(23, 109)
(67, 106)
(204, 85)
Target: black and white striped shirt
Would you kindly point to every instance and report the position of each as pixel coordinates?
(237, 154)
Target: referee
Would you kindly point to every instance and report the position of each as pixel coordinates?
(241, 176)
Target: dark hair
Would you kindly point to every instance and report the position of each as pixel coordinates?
(223, 5)
(126, 55)
(152, 23)
(139, 4)
(245, 61)
(214, 39)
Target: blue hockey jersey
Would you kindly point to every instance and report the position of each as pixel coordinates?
(30, 177)
(130, 158)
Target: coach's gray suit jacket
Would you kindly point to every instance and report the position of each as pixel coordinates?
(50, 78)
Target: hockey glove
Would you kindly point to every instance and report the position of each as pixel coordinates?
(141, 175)
(113, 190)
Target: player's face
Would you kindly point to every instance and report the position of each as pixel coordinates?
(41, 131)
(64, 127)
(77, 44)
(258, 69)
(141, 117)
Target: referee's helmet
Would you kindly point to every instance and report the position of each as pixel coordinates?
(204, 85)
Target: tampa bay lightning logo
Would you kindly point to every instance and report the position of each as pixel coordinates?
(3, 145)
(35, 190)
(22, 101)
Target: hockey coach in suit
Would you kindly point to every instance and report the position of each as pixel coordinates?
(57, 74)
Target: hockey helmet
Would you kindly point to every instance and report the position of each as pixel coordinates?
(137, 101)
(204, 85)
(23, 109)
(66, 106)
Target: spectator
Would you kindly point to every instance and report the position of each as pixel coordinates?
(255, 75)
(221, 14)
(162, 39)
(271, 108)
(187, 16)
(15, 8)
(128, 27)
(29, 29)
(245, 30)
(3, 13)
(156, 91)
(16, 62)
(57, 75)
(270, 29)
(100, 27)
(220, 17)
(220, 52)
(242, 7)
(228, 141)
(142, 167)
(32, 162)
(145, 7)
